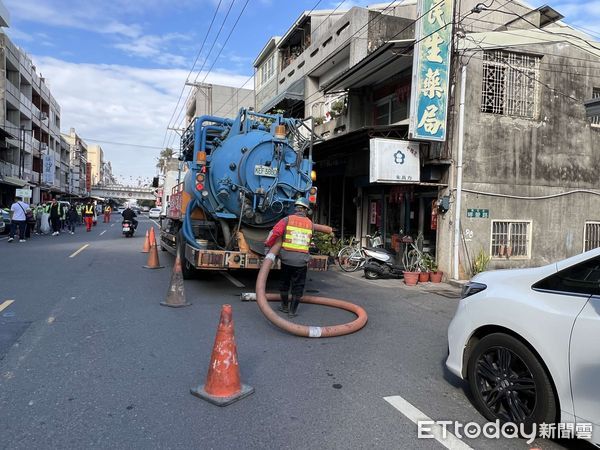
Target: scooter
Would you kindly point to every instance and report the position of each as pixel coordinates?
(128, 228)
(380, 264)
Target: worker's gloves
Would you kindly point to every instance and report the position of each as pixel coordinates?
(271, 256)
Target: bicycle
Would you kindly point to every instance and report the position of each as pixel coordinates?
(352, 257)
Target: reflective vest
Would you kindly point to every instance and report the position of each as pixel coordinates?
(298, 233)
(107, 209)
(89, 209)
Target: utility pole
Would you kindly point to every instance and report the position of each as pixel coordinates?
(459, 169)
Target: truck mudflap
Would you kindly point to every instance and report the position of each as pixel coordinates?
(223, 259)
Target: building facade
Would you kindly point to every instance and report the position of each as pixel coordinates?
(30, 150)
(80, 168)
(526, 186)
(96, 159)
(217, 100)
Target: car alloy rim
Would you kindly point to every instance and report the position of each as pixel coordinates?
(506, 385)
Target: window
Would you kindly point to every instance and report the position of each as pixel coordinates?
(595, 120)
(510, 85)
(591, 236)
(511, 239)
(266, 71)
(390, 110)
(582, 278)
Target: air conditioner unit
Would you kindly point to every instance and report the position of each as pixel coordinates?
(43, 147)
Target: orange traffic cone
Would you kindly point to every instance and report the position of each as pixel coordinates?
(176, 294)
(151, 236)
(152, 262)
(146, 247)
(223, 385)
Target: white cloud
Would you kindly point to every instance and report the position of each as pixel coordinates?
(15, 33)
(94, 17)
(120, 104)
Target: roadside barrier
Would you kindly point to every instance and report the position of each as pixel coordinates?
(152, 262)
(262, 299)
(146, 247)
(176, 294)
(223, 385)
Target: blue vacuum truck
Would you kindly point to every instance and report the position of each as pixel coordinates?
(239, 177)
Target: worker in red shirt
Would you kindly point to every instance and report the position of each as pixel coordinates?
(296, 232)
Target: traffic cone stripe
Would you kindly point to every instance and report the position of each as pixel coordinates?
(223, 385)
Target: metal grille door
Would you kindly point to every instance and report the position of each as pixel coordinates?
(591, 237)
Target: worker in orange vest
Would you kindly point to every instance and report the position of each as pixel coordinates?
(107, 211)
(88, 215)
(296, 232)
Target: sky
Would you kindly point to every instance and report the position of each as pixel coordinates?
(117, 67)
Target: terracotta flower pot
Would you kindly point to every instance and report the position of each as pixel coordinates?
(423, 277)
(411, 278)
(436, 277)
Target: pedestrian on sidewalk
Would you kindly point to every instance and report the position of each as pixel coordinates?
(29, 221)
(72, 219)
(18, 219)
(39, 211)
(88, 215)
(107, 211)
(296, 232)
(55, 215)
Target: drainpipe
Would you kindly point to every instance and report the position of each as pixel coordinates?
(459, 163)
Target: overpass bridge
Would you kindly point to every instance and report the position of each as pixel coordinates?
(124, 192)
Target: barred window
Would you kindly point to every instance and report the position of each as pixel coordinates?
(595, 120)
(509, 84)
(591, 236)
(511, 239)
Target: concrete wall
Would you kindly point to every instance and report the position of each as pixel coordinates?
(556, 153)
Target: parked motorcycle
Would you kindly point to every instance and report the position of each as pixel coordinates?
(380, 264)
(128, 228)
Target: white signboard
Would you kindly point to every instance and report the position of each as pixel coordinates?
(23, 193)
(394, 161)
(48, 169)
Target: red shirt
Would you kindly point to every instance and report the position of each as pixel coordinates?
(277, 232)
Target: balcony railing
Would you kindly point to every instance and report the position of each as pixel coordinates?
(8, 170)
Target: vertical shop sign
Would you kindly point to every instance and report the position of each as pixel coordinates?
(373, 213)
(48, 169)
(88, 177)
(431, 67)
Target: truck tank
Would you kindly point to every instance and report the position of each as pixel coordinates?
(243, 175)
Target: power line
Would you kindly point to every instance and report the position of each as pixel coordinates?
(380, 17)
(196, 78)
(192, 69)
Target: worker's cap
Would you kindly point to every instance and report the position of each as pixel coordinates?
(301, 201)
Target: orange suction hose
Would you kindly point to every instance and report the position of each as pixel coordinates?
(262, 298)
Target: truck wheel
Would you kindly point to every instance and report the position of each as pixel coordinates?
(188, 271)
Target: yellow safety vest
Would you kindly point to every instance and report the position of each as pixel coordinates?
(298, 233)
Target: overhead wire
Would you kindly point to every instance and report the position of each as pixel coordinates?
(252, 76)
(191, 71)
(183, 106)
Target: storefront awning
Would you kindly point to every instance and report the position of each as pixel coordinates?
(389, 59)
(13, 181)
(293, 94)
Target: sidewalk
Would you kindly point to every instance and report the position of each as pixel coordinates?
(450, 289)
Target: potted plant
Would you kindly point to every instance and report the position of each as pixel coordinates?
(410, 260)
(436, 275)
(424, 264)
(481, 261)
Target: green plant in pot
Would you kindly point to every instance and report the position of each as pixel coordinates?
(424, 263)
(480, 262)
(411, 260)
(435, 275)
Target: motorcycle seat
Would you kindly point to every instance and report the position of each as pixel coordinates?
(381, 250)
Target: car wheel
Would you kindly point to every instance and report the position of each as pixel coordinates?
(508, 382)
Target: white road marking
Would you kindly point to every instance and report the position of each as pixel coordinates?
(157, 224)
(4, 238)
(234, 281)
(5, 304)
(79, 251)
(450, 441)
(102, 232)
(112, 224)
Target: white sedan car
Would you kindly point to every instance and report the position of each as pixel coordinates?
(528, 342)
(154, 213)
